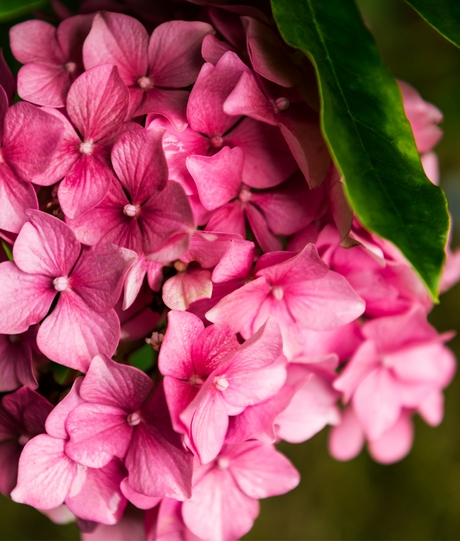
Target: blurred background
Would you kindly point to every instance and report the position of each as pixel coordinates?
(419, 497)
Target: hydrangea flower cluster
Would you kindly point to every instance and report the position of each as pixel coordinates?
(175, 189)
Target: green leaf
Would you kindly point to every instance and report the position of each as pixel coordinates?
(60, 372)
(367, 132)
(7, 251)
(143, 358)
(11, 9)
(443, 15)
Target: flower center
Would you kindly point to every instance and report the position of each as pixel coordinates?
(217, 141)
(61, 283)
(221, 383)
(131, 210)
(145, 83)
(223, 463)
(245, 194)
(87, 147)
(70, 67)
(134, 418)
(196, 380)
(281, 104)
(278, 293)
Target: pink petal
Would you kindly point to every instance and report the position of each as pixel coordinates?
(139, 162)
(98, 275)
(432, 408)
(175, 358)
(10, 451)
(212, 49)
(35, 41)
(218, 509)
(97, 434)
(97, 102)
(45, 473)
(55, 422)
(95, 494)
(179, 394)
(175, 63)
(24, 298)
(394, 444)
(376, 403)
(139, 500)
(114, 384)
(119, 40)
(8, 81)
(71, 34)
(218, 177)
(44, 84)
(29, 131)
(346, 439)
(205, 106)
(236, 263)
(46, 246)
(260, 471)
(16, 366)
(169, 103)
(267, 158)
(214, 344)
(228, 219)
(16, 197)
(267, 241)
(74, 333)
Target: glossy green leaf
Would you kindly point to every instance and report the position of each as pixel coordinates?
(367, 132)
(7, 251)
(143, 358)
(11, 9)
(444, 15)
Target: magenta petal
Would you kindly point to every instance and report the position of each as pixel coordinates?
(8, 81)
(85, 185)
(4, 105)
(212, 49)
(236, 263)
(205, 107)
(119, 40)
(114, 384)
(97, 433)
(46, 246)
(24, 298)
(98, 275)
(265, 238)
(10, 451)
(95, 494)
(228, 219)
(218, 177)
(261, 471)
(43, 84)
(218, 509)
(45, 473)
(139, 500)
(212, 347)
(16, 366)
(175, 63)
(267, 158)
(74, 333)
(29, 131)
(97, 102)
(16, 197)
(140, 164)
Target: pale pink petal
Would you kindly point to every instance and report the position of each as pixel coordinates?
(16, 197)
(45, 473)
(97, 434)
(119, 40)
(98, 275)
(97, 102)
(218, 177)
(218, 509)
(181, 290)
(394, 444)
(139, 500)
(430, 164)
(376, 403)
(139, 162)
(175, 63)
(35, 41)
(130, 526)
(74, 333)
(346, 439)
(113, 384)
(55, 422)
(24, 298)
(260, 471)
(205, 106)
(432, 408)
(179, 394)
(46, 246)
(95, 494)
(267, 158)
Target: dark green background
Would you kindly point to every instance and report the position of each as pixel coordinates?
(418, 498)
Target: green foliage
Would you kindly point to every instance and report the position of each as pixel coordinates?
(444, 15)
(11, 9)
(367, 132)
(143, 358)
(7, 251)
